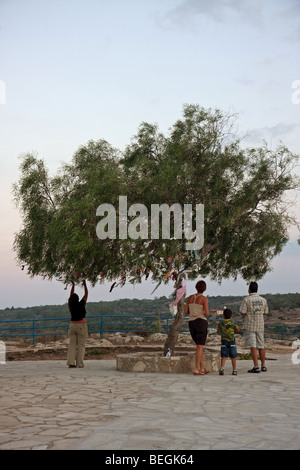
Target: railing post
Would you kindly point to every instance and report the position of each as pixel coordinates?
(101, 327)
(33, 324)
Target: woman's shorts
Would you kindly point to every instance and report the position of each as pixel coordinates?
(254, 339)
(198, 330)
(228, 348)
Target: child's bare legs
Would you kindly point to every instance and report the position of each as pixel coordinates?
(223, 360)
(233, 362)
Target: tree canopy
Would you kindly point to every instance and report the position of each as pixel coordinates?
(200, 161)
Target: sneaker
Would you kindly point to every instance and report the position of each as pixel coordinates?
(221, 371)
(234, 372)
(264, 369)
(255, 370)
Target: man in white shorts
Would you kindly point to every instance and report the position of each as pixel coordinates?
(253, 309)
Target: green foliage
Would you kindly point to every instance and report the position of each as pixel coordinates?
(245, 357)
(114, 307)
(200, 161)
(281, 301)
(95, 351)
(145, 307)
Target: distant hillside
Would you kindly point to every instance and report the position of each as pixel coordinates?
(282, 307)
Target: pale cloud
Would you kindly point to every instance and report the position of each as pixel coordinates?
(292, 13)
(269, 133)
(258, 14)
(245, 81)
(188, 11)
(273, 60)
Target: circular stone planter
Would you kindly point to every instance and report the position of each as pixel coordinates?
(155, 362)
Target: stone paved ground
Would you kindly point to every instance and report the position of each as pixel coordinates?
(45, 405)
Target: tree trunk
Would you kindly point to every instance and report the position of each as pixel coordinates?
(171, 340)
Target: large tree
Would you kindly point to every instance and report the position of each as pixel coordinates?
(200, 161)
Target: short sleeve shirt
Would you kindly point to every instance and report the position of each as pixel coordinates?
(254, 307)
(227, 329)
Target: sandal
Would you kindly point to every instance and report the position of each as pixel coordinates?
(201, 372)
(255, 370)
(264, 369)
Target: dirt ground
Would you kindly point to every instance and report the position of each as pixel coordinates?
(61, 354)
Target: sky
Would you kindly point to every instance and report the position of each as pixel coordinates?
(78, 70)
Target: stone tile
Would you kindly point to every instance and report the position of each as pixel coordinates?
(45, 406)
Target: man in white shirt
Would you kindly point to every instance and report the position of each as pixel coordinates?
(253, 309)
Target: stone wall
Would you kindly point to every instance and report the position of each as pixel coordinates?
(156, 362)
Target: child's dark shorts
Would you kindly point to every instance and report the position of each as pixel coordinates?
(198, 330)
(228, 349)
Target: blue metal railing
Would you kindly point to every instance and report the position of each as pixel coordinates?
(33, 328)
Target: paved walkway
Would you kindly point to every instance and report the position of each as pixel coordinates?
(45, 405)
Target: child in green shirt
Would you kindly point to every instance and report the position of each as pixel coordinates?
(227, 329)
